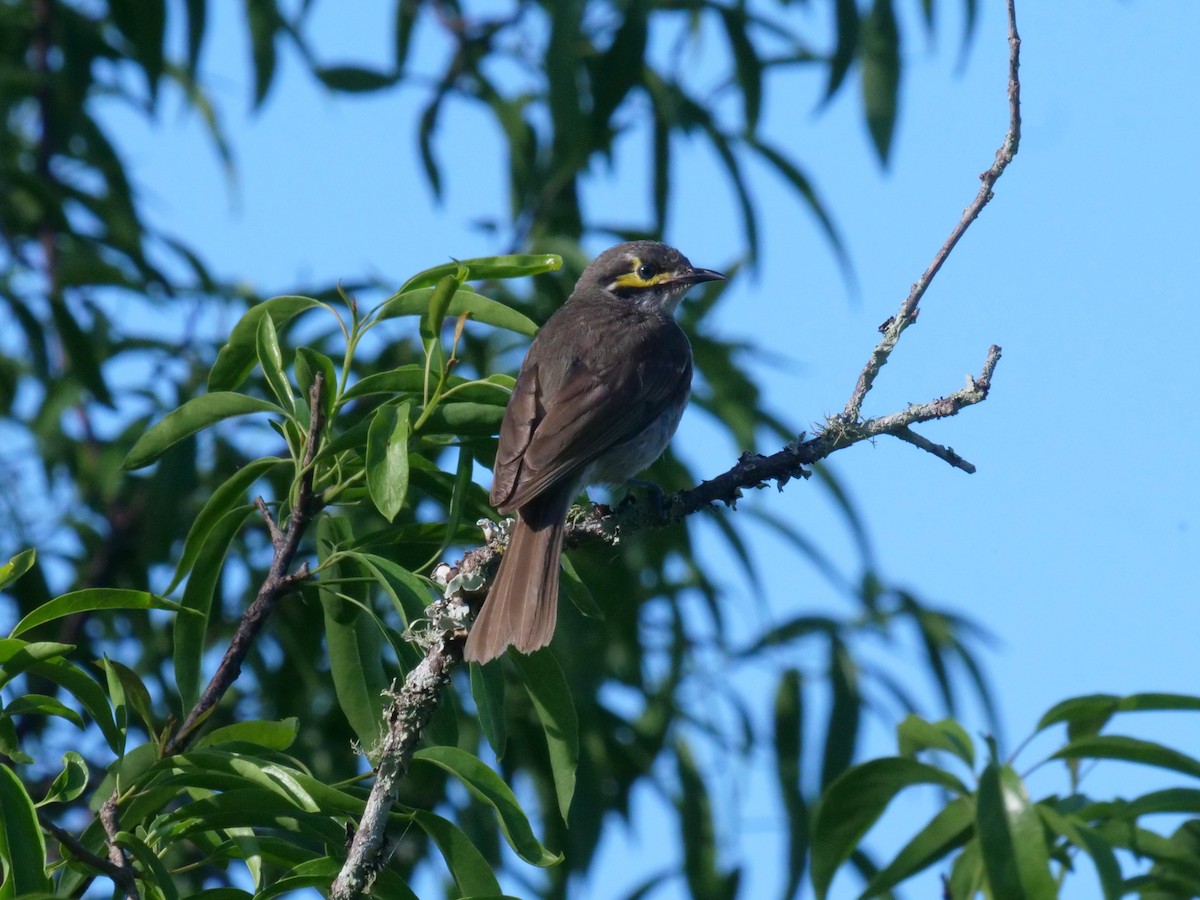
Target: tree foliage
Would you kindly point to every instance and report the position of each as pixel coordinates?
(126, 590)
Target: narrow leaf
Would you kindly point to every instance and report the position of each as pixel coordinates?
(195, 415)
(237, 357)
(488, 787)
(1011, 837)
(22, 847)
(190, 632)
(486, 268)
(229, 495)
(551, 698)
(789, 745)
(881, 74)
(855, 801)
(468, 867)
(16, 567)
(415, 302)
(90, 600)
(387, 459)
(70, 782)
(270, 359)
(487, 690)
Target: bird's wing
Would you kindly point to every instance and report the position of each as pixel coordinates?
(544, 440)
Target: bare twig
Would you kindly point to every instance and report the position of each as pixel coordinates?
(414, 705)
(280, 579)
(123, 875)
(907, 314)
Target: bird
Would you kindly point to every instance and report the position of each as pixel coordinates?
(597, 399)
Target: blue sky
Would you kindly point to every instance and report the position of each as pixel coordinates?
(1076, 542)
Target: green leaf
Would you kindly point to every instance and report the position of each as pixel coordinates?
(160, 877)
(135, 693)
(80, 348)
(264, 22)
(89, 600)
(353, 638)
(487, 689)
(143, 23)
(855, 801)
(270, 358)
(116, 696)
(967, 876)
(355, 79)
(464, 419)
(16, 655)
(495, 389)
(701, 865)
(236, 359)
(946, 832)
(915, 734)
(488, 787)
(225, 498)
(308, 363)
(1011, 837)
(84, 689)
(195, 415)
(578, 592)
(70, 782)
(16, 567)
(467, 865)
(406, 19)
(408, 592)
(747, 63)
(401, 380)
(415, 301)
(10, 743)
(1088, 714)
(22, 848)
(846, 48)
(190, 631)
(484, 268)
(1128, 749)
(42, 705)
(387, 459)
(1087, 839)
(881, 74)
(278, 735)
(789, 746)
(845, 713)
(551, 698)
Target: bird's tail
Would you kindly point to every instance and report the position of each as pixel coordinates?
(521, 608)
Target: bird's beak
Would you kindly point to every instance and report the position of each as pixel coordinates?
(696, 276)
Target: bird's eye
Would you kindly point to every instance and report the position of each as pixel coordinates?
(646, 271)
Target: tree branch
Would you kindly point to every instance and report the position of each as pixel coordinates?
(123, 875)
(407, 717)
(412, 708)
(75, 849)
(279, 581)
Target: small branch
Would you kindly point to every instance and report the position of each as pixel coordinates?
(907, 314)
(279, 581)
(76, 850)
(407, 717)
(277, 537)
(124, 877)
(943, 453)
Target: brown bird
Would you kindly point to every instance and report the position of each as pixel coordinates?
(597, 399)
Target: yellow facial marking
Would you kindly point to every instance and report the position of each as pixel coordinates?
(632, 279)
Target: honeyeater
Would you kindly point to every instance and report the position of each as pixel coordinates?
(597, 399)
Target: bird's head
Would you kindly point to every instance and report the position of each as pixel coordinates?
(647, 273)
